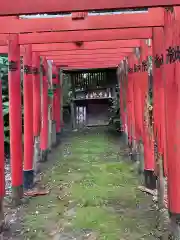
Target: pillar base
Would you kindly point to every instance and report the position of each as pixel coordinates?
(54, 140)
(36, 155)
(150, 179)
(58, 138)
(54, 145)
(17, 195)
(1, 215)
(174, 226)
(28, 179)
(44, 156)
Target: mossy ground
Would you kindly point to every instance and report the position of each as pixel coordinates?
(92, 188)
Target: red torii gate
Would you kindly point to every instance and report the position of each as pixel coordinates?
(55, 6)
(154, 17)
(112, 61)
(90, 65)
(113, 45)
(15, 59)
(24, 7)
(50, 37)
(127, 34)
(88, 52)
(86, 57)
(80, 36)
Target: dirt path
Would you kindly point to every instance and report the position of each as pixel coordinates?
(93, 195)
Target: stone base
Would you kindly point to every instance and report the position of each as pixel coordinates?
(150, 179)
(17, 195)
(44, 156)
(55, 145)
(58, 138)
(1, 215)
(174, 226)
(28, 179)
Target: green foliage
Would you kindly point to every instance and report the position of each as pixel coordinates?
(67, 90)
(115, 111)
(50, 93)
(5, 97)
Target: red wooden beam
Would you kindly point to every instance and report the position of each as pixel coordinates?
(84, 67)
(86, 52)
(56, 6)
(81, 36)
(155, 17)
(115, 61)
(114, 45)
(87, 57)
(89, 65)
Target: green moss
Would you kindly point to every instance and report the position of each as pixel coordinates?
(103, 192)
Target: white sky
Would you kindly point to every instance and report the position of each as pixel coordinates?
(63, 15)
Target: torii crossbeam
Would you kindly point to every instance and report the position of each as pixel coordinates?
(80, 36)
(55, 6)
(154, 17)
(79, 49)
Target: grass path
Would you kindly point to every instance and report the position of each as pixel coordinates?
(93, 195)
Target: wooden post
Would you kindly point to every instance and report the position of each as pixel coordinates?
(28, 119)
(36, 108)
(2, 173)
(15, 119)
(50, 103)
(158, 111)
(61, 107)
(55, 104)
(147, 132)
(44, 124)
(58, 116)
(171, 72)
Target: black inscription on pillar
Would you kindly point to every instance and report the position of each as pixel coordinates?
(35, 71)
(12, 66)
(138, 68)
(27, 69)
(170, 55)
(158, 60)
(144, 66)
(177, 53)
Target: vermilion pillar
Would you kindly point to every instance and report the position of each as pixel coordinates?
(44, 124)
(55, 82)
(55, 103)
(2, 176)
(28, 118)
(147, 133)
(36, 95)
(159, 112)
(171, 73)
(15, 118)
(58, 107)
(36, 107)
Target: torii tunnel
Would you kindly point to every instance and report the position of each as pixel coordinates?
(141, 47)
